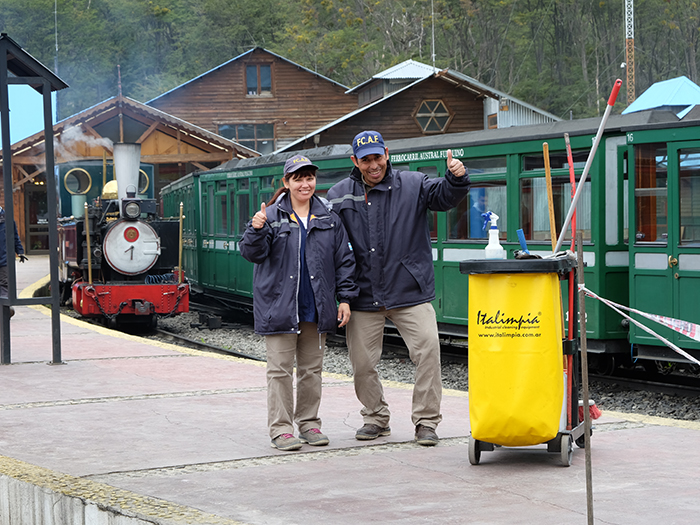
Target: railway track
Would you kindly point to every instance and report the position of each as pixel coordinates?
(180, 340)
(671, 385)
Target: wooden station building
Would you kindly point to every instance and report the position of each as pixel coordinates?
(259, 99)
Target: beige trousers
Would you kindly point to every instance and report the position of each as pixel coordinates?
(418, 327)
(307, 347)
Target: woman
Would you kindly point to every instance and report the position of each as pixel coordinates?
(303, 261)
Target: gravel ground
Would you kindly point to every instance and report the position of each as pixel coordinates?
(607, 397)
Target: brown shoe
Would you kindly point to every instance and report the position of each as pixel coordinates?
(370, 431)
(426, 436)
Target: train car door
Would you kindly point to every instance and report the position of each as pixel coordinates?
(220, 254)
(665, 277)
(190, 259)
(245, 198)
(207, 268)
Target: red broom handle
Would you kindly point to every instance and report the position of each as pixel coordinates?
(589, 161)
(572, 181)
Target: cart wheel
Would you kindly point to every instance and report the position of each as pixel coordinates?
(567, 449)
(581, 440)
(474, 451)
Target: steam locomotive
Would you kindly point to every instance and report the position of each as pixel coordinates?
(118, 260)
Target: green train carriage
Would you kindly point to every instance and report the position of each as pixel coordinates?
(507, 170)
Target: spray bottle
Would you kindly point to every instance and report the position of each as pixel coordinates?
(494, 250)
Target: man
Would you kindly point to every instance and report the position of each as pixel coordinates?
(385, 214)
(476, 221)
(19, 250)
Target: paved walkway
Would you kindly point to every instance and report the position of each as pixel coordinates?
(153, 433)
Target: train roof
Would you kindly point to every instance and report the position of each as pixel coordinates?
(651, 119)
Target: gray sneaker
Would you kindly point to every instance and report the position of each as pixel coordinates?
(371, 431)
(314, 437)
(286, 442)
(426, 436)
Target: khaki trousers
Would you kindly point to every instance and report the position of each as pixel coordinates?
(307, 347)
(418, 327)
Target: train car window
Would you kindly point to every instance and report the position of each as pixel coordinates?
(223, 216)
(254, 196)
(243, 184)
(432, 172)
(464, 222)
(534, 208)
(650, 193)
(211, 215)
(557, 160)
(330, 177)
(231, 195)
(689, 162)
(267, 182)
(625, 200)
(189, 224)
(486, 166)
(205, 207)
(244, 214)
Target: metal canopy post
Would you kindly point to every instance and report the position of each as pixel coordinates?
(52, 199)
(27, 70)
(9, 210)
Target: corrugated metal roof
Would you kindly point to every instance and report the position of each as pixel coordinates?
(406, 70)
(679, 93)
(409, 69)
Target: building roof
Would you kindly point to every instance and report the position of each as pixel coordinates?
(238, 58)
(458, 79)
(678, 94)
(406, 70)
(84, 117)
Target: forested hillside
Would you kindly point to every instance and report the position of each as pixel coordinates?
(560, 55)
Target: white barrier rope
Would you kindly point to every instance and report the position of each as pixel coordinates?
(691, 330)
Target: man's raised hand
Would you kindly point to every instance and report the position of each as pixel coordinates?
(454, 165)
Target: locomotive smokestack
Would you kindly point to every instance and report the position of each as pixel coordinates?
(127, 160)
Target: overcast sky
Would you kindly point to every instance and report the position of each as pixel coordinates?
(26, 113)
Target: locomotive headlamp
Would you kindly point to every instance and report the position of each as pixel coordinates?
(132, 209)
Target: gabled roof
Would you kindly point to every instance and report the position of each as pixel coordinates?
(407, 70)
(96, 111)
(458, 79)
(238, 58)
(678, 94)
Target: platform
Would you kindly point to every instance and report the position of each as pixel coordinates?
(129, 431)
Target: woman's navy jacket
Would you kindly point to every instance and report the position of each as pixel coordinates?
(275, 250)
(388, 228)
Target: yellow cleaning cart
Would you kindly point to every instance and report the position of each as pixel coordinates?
(523, 389)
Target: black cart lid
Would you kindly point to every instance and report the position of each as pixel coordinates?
(559, 264)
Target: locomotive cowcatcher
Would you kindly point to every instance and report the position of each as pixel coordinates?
(119, 261)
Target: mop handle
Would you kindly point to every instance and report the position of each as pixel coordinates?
(589, 161)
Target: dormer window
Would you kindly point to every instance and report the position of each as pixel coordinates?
(258, 80)
(433, 116)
